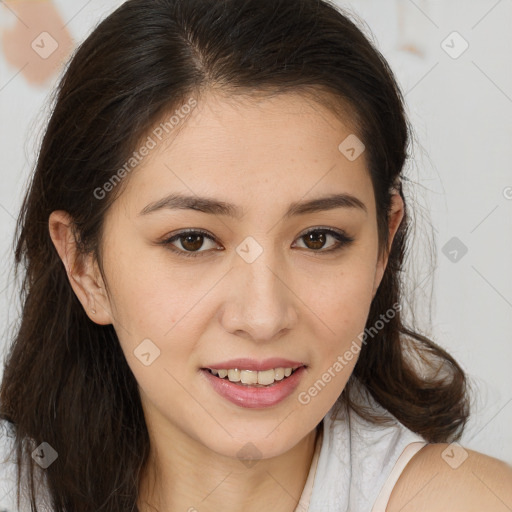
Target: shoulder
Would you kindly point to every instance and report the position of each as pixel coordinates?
(445, 477)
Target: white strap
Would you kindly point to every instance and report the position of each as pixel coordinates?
(410, 450)
(303, 505)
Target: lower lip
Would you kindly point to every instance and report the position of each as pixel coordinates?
(254, 397)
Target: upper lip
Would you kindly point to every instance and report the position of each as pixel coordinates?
(254, 365)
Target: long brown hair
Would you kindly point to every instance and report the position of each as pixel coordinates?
(66, 380)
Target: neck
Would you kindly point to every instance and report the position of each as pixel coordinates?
(194, 479)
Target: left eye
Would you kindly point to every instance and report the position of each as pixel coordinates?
(192, 240)
(317, 238)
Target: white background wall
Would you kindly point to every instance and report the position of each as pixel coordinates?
(461, 109)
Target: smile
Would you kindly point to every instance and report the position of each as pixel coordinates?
(252, 377)
(248, 391)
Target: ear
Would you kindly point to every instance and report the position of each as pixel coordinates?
(83, 272)
(395, 217)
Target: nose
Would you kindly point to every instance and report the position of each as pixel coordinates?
(261, 304)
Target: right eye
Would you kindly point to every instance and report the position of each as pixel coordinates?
(191, 240)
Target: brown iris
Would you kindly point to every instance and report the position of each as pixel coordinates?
(317, 238)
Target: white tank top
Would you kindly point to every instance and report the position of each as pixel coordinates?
(356, 463)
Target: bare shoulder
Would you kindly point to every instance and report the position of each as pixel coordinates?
(447, 477)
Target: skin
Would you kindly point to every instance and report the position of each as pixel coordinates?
(428, 483)
(291, 302)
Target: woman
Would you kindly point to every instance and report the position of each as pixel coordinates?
(213, 240)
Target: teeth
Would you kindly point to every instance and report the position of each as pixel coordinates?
(251, 377)
(279, 375)
(234, 375)
(266, 377)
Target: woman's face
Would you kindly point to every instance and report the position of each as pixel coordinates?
(256, 287)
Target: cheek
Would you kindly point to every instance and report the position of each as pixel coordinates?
(150, 291)
(342, 294)
(148, 301)
(341, 306)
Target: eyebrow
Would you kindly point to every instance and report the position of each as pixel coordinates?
(216, 207)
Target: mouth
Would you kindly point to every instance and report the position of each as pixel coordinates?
(253, 378)
(255, 389)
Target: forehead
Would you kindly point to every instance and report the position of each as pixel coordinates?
(233, 146)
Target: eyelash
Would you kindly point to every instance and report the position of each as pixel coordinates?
(343, 241)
